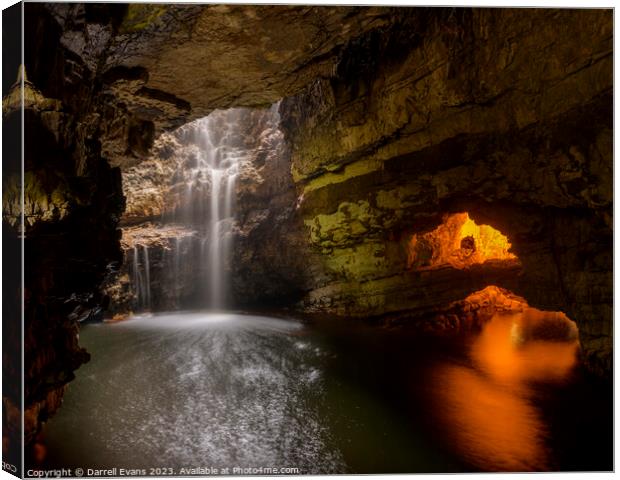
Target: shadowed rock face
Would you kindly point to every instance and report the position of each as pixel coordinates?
(392, 117)
(72, 204)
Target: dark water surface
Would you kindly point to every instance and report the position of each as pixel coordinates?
(188, 390)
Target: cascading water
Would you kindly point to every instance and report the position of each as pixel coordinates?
(190, 263)
(136, 274)
(210, 196)
(147, 276)
(140, 271)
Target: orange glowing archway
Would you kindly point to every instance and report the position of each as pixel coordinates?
(458, 242)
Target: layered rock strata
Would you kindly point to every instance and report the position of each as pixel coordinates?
(505, 115)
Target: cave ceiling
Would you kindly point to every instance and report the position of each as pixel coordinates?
(162, 66)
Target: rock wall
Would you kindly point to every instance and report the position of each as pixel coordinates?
(504, 114)
(72, 203)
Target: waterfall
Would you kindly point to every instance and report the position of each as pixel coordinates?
(141, 276)
(176, 282)
(147, 277)
(137, 279)
(184, 260)
(215, 259)
(211, 194)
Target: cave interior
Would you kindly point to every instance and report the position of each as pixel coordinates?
(405, 168)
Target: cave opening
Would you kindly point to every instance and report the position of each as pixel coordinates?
(523, 337)
(459, 242)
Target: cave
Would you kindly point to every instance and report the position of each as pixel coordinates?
(324, 239)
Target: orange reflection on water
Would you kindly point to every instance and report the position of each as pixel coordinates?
(488, 408)
(499, 351)
(493, 428)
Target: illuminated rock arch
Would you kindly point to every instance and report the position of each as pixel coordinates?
(458, 242)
